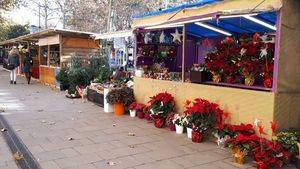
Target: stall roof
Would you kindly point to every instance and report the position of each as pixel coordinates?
(206, 7)
(118, 34)
(49, 32)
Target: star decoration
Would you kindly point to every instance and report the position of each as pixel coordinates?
(176, 36)
(147, 38)
(264, 38)
(243, 51)
(162, 37)
(263, 52)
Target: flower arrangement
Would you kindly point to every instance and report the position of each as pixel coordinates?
(245, 59)
(198, 67)
(161, 105)
(289, 141)
(203, 115)
(121, 95)
(178, 119)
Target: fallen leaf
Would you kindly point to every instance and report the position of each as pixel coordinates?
(3, 129)
(70, 138)
(18, 130)
(114, 125)
(131, 134)
(22, 99)
(2, 109)
(111, 163)
(17, 156)
(43, 121)
(79, 111)
(51, 123)
(40, 110)
(131, 146)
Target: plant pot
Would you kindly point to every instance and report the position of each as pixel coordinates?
(140, 115)
(179, 129)
(108, 108)
(240, 160)
(268, 81)
(216, 78)
(262, 165)
(132, 113)
(197, 137)
(199, 77)
(172, 127)
(159, 123)
(189, 132)
(148, 117)
(119, 109)
(249, 81)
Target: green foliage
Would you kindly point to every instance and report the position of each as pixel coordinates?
(103, 76)
(62, 76)
(8, 31)
(97, 66)
(288, 141)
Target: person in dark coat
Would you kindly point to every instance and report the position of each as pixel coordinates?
(13, 64)
(27, 63)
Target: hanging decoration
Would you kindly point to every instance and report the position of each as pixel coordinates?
(147, 38)
(162, 37)
(176, 36)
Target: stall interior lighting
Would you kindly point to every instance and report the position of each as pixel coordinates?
(260, 22)
(213, 28)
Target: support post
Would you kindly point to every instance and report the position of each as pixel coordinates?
(277, 51)
(183, 52)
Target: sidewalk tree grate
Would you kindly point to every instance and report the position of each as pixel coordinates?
(20, 152)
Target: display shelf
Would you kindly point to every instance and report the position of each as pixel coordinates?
(240, 86)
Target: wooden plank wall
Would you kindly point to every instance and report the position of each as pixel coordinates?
(77, 46)
(287, 110)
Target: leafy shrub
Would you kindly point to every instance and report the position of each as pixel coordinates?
(103, 76)
(122, 95)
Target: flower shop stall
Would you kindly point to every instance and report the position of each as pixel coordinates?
(235, 53)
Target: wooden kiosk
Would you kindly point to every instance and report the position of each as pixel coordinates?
(211, 20)
(54, 49)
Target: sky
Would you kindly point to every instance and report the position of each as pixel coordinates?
(25, 15)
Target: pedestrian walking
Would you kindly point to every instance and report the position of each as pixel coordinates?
(27, 63)
(13, 64)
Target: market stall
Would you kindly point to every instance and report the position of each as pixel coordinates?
(51, 49)
(233, 53)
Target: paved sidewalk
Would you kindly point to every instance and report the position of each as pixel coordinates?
(45, 120)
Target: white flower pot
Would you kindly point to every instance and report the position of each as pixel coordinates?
(189, 132)
(179, 129)
(132, 113)
(108, 108)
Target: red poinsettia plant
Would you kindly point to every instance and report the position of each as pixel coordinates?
(161, 105)
(137, 106)
(203, 115)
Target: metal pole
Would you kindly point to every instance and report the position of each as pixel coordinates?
(183, 52)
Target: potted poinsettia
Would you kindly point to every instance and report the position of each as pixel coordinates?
(170, 123)
(203, 116)
(160, 106)
(178, 121)
(136, 107)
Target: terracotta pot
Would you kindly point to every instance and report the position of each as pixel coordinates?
(197, 137)
(249, 81)
(140, 115)
(172, 127)
(229, 79)
(159, 123)
(148, 117)
(119, 109)
(216, 78)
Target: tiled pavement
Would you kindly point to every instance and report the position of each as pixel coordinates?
(45, 120)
